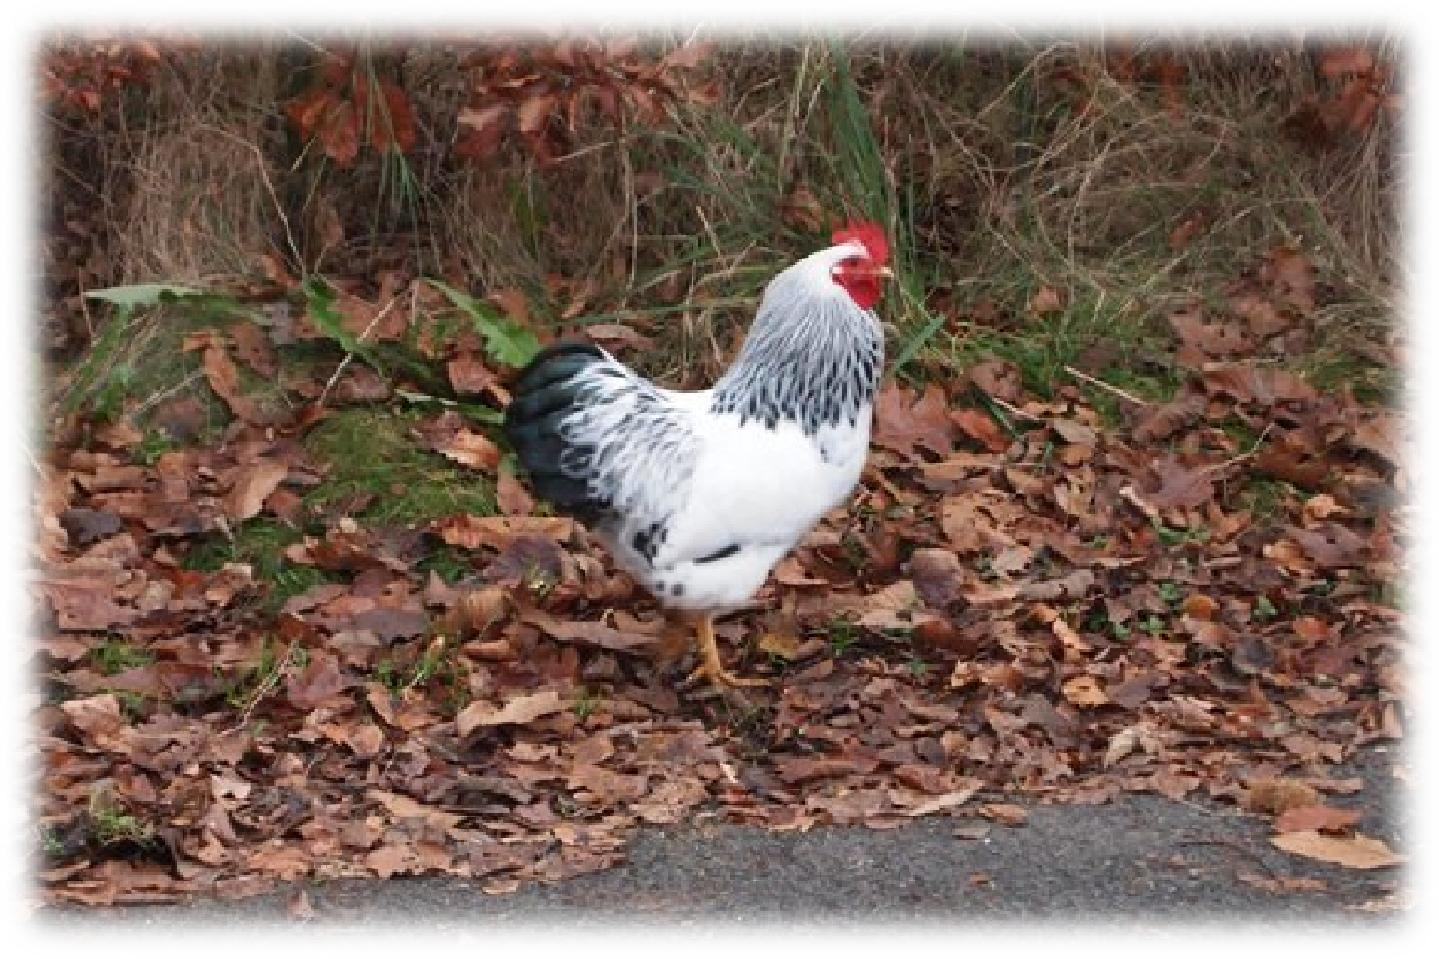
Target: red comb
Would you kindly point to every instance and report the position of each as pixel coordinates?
(868, 234)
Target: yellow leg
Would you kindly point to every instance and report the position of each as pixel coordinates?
(710, 666)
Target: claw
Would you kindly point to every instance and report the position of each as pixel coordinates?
(712, 668)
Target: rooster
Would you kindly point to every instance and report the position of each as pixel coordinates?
(699, 494)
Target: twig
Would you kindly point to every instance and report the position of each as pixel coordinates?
(1242, 456)
(265, 175)
(1105, 386)
(344, 363)
(165, 394)
(264, 689)
(1013, 410)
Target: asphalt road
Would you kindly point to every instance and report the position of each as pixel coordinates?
(1143, 858)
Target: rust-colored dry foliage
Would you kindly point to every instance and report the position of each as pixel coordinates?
(1027, 600)
(541, 96)
(1103, 620)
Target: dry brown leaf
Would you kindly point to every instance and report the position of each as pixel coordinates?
(1073, 431)
(497, 532)
(982, 428)
(784, 645)
(224, 378)
(95, 715)
(617, 336)
(319, 681)
(1084, 691)
(1200, 606)
(1121, 744)
(1316, 818)
(516, 711)
(1046, 300)
(1341, 60)
(535, 111)
(1276, 796)
(1282, 883)
(1001, 379)
(253, 485)
(590, 633)
(1006, 814)
(469, 375)
(1355, 852)
(511, 495)
(907, 425)
(254, 348)
(366, 739)
(944, 801)
(471, 449)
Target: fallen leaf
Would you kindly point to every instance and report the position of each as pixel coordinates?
(253, 485)
(517, 711)
(1276, 796)
(1046, 300)
(1073, 431)
(95, 715)
(471, 449)
(795, 770)
(906, 424)
(1355, 852)
(1341, 60)
(319, 681)
(254, 348)
(1006, 814)
(614, 336)
(1001, 379)
(535, 111)
(224, 378)
(947, 800)
(1180, 487)
(1316, 818)
(1162, 421)
(469, 375)
(982, 428)
(1084, 691)
(1121, 744)
(938, 577)
(784, 645)
(590, 633)
(511, 495)
(497, 532)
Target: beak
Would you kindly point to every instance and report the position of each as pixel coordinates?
(883, 271)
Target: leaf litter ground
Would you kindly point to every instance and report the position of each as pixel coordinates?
(1024, 601)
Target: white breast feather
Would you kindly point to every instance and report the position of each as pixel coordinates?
(757, 488)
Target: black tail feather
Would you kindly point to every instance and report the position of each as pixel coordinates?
(544, 394)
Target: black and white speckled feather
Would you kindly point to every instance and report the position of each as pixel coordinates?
(699, 494)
